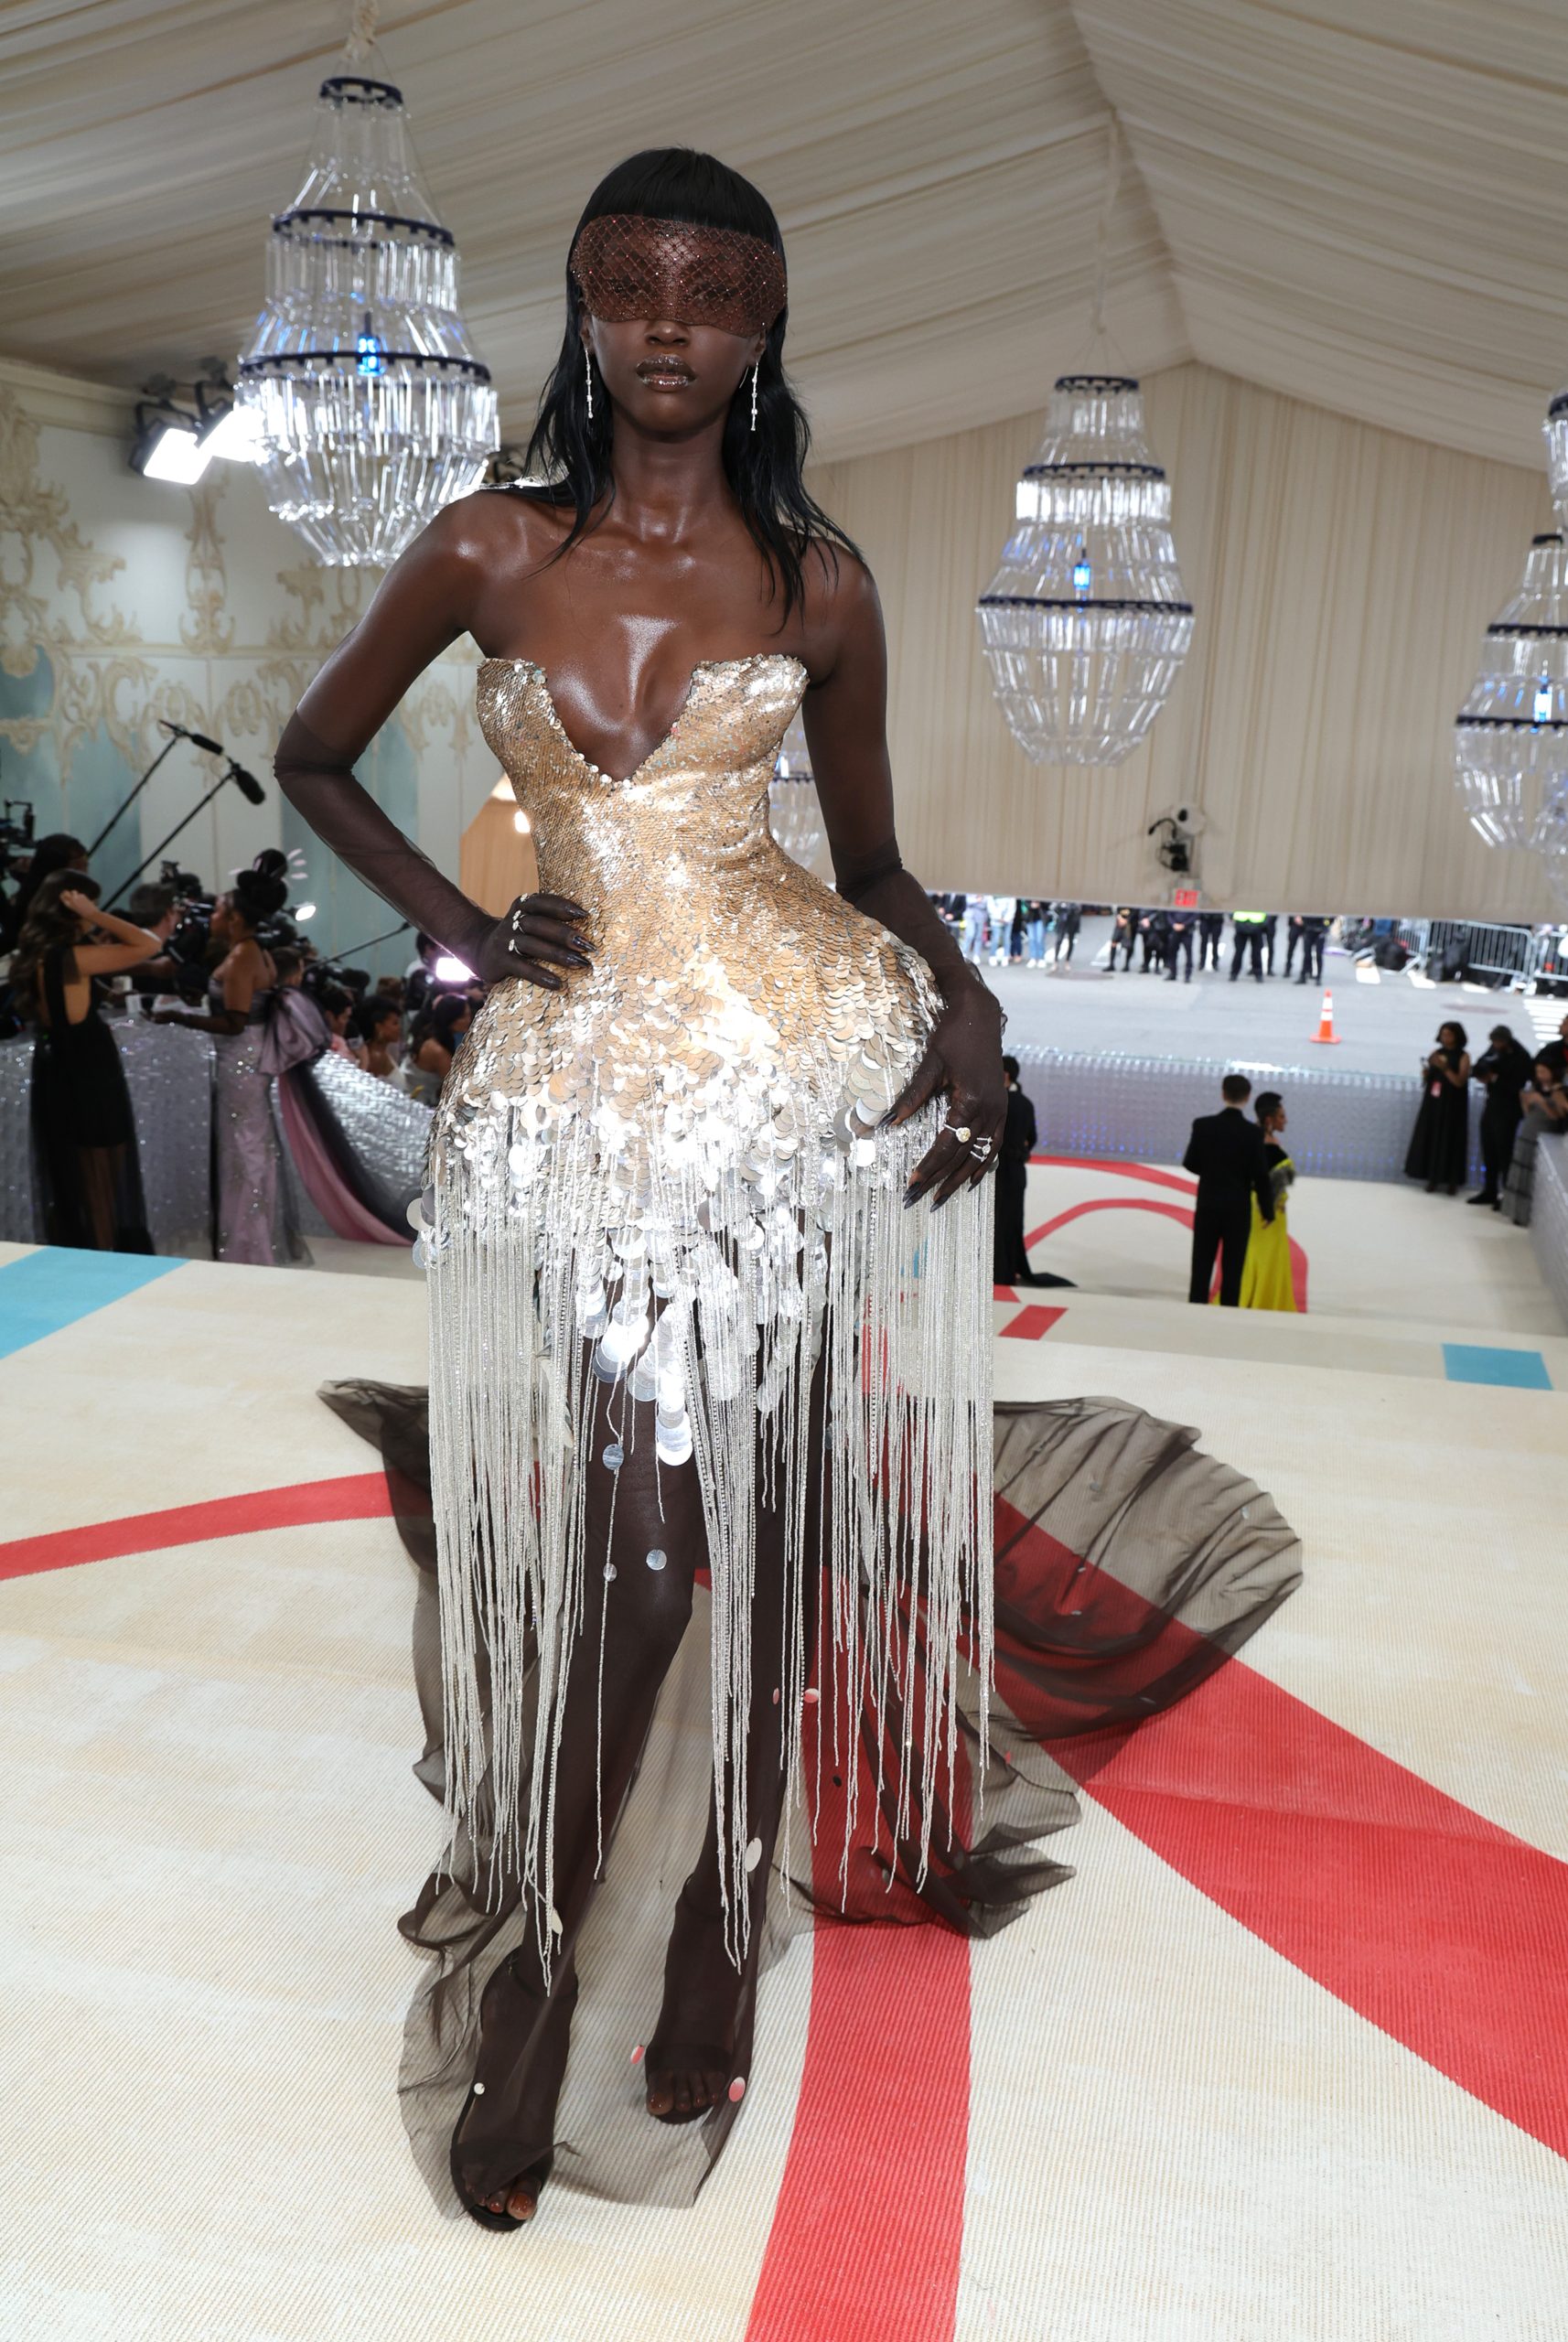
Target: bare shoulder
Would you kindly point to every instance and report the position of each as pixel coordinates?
(496, 525)
(842, 609)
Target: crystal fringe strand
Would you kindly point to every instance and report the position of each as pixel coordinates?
(538, 1291)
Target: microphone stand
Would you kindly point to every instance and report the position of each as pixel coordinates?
(126, 804)
(370, 941)
(221, 782)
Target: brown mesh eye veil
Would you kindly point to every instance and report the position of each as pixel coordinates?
(628, 266)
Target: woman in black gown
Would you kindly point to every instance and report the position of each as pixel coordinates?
(83, 1134)
(1440, 1141)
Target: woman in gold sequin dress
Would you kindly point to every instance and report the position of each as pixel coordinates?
(708, 1238)
(674, 1281)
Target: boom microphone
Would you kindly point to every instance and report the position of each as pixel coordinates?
(197, 739)
(245, 782)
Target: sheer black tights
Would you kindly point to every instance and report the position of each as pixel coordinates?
(645, 1543)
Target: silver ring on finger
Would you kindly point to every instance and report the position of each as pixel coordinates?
(961, 1131)
(981, 1148)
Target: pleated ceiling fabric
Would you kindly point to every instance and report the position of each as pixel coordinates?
(938, 173)
(1358, 202)
(1342, 577)
(1363, 200)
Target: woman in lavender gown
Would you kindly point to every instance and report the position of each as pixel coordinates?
(253, 1223)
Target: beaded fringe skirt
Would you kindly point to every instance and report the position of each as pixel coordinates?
(703, 1278)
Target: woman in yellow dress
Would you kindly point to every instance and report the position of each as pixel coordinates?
(1266, 1281)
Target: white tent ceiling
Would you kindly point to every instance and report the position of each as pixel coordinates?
(1358, 202)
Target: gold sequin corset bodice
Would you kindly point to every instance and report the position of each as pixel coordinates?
(728, 985)
(659, 1197)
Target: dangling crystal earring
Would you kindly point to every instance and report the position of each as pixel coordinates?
(588, 375)
(754, 396)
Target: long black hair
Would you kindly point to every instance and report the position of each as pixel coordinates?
(48, 928)
(764, 468)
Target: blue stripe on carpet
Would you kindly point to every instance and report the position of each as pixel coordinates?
(1474, 1362)
(51, 1288)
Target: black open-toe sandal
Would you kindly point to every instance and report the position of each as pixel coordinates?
(670, 2056)
(531, 2175)
(533, 2178)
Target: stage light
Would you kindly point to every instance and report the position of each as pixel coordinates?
(168, 447)
(452, 971)
(234, 438)
(182, 426)
(302, 911)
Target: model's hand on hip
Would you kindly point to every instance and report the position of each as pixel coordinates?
(964, 1058)
(538, 935)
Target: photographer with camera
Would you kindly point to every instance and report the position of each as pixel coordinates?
(31, 860)
(84, 1134)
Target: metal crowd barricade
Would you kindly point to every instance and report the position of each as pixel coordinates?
(1515, 953)
(1142, 1109)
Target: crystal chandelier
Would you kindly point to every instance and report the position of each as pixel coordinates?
(1511, 741)
(1086, 623)
(794, 812)
(1552, 845)
(371, 408)
(1556, 429)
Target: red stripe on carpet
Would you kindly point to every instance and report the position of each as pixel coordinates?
(1031, 1323)
(1108, 1203)
(868, 2228)
(1442, 1930)
(1446, 1933)
(358, 1496)
(1181, 1180)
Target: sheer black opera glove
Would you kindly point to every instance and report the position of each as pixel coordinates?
(845, 718)
(319, 782)
(964, 1058)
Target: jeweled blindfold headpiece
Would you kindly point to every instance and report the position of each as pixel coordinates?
(628, 266)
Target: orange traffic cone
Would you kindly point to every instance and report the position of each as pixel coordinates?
(1326, 1022)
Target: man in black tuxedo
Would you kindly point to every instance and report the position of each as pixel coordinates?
(1010, 1259)
(1226, 1152)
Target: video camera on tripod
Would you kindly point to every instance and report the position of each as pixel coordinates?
(16, 839)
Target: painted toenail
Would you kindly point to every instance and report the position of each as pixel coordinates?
(736, 2090)
(478, 2089)
(811, 1698)
(754, 1853)
(637, 2054)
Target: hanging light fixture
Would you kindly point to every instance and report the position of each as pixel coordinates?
(1511, 740)
(370, 409)
(794, 811)
(1086, 623)
(1552, 845)
(1556, 430)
